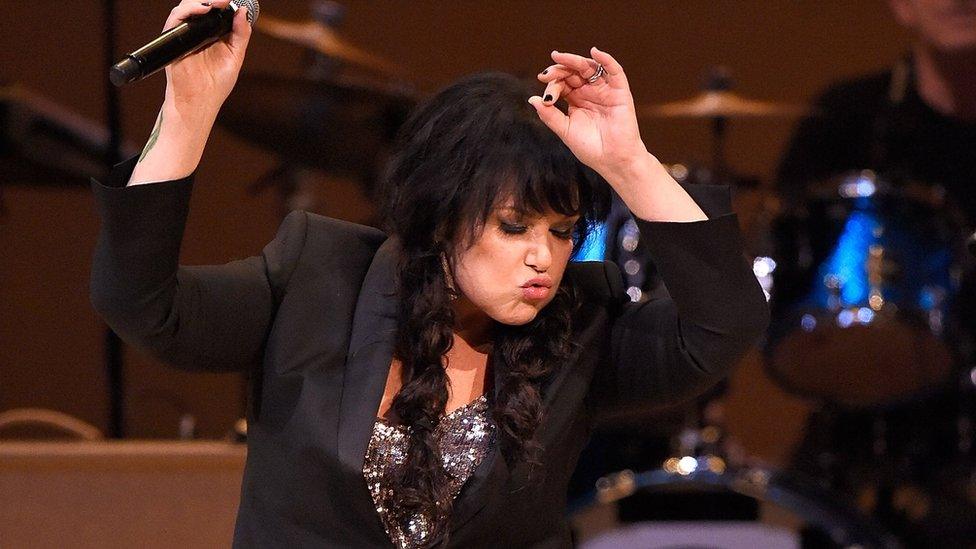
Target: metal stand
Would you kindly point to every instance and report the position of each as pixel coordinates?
(114, 367)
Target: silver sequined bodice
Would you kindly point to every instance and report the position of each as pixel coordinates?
(465, 436)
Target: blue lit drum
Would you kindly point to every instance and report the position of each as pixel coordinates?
(862, 290)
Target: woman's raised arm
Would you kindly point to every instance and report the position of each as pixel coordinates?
(196, 87)
(600, 127)
(669, 348)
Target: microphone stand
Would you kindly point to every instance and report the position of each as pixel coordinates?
(114, 367)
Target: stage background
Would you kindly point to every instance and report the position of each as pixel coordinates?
(51, 340)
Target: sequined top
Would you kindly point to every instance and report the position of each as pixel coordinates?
(465, 436)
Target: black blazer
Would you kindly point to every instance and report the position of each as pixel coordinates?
(313, 320)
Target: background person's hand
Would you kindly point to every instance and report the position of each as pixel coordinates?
(600, 126)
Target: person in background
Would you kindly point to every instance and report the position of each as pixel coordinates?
(913, 124)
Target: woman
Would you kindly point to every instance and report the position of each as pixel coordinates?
(435, 386)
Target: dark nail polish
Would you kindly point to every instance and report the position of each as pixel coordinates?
(545, 71)
(547, 98)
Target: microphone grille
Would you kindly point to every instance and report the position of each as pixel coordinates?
(252, 6)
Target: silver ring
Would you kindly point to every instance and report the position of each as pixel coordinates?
(596, 76)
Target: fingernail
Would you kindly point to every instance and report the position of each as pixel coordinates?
(206, 3)
(545, 71)
(547, 98)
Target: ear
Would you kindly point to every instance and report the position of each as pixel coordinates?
(904, 12)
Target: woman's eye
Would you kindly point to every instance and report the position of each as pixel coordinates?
(513, 228)
(565, 234)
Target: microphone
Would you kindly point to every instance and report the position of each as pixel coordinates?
(187, 37)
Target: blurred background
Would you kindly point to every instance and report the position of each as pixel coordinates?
(53, 346)
(51, 342)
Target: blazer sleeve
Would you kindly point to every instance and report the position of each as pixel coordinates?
(670, 348)
(213, 318)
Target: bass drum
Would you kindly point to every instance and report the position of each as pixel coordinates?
(862, 291)
(695, 502)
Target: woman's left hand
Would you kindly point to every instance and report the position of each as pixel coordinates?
(601, 130)
(601, 125)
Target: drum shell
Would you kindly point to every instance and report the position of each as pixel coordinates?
(863, 294)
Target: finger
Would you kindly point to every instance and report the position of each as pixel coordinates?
(613, 72)
(550, 115)
(190, 8)
(561, 72)
(553, 72)
(241, 33)
(610, 65)
(583, 65)
(555, 90)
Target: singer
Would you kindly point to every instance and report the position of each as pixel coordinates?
(434, 384)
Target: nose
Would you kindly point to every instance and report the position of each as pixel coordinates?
(539, 255)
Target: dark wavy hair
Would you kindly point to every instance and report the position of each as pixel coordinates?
(459, 155)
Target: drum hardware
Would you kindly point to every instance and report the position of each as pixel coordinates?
(721, 103)
(718, 104)
(338, 123)
(323, 39)
(701, 477)
(338, 127)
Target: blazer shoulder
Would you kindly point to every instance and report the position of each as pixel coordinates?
(344, 238)
(338, 228)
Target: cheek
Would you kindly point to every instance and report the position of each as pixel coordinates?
(488, 274)
(483, 274)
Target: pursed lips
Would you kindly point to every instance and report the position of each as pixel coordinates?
(537, 288)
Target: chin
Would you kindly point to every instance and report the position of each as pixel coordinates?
(522, 315)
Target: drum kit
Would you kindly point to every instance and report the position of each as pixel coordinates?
(863, 277)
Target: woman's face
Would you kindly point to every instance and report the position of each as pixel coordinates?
(515, 265)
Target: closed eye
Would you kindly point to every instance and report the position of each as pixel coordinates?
(565, 234)
(513, 228)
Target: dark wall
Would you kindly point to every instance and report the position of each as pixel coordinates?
(50, 339)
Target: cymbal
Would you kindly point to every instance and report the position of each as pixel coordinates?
(339, 127)
(323, 39)
(720, 104)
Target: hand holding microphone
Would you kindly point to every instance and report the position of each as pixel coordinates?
(186, 48)
(202, 49)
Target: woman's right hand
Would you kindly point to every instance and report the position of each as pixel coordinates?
(196, 87)
(206, 77)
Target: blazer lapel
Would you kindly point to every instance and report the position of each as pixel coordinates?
(489, 478)
(493, 477)
(367, 367)
(368, 362)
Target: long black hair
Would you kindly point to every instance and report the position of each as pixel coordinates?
(472, 145)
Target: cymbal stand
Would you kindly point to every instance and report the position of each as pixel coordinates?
(114, 366)
(718, 79)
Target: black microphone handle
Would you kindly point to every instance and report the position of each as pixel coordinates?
(187, 37)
